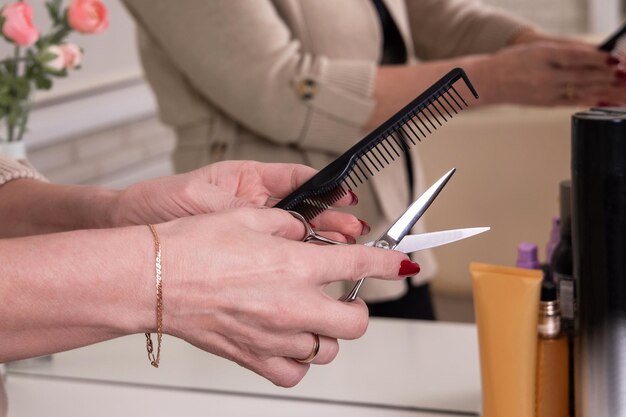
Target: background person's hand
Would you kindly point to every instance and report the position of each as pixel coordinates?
(241, 285)
(221, 186)
(553, 73)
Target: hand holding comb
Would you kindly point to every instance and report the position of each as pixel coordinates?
(382, 146)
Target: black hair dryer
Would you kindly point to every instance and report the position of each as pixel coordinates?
(599, 243)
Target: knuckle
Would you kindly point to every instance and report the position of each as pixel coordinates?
(358, 264)
(357, 324)
(333, 350)
(290, 376)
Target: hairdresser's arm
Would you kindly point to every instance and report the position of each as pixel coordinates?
(235, 284)
(528, 73)
(36, 207)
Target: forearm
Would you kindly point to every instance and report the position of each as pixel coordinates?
(29, 207)
(67, 290)
(398, 85)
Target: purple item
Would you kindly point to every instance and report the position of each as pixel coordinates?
(555, 238)
(527, 256)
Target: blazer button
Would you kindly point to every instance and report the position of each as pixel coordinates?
(306, 88)
(217, 150)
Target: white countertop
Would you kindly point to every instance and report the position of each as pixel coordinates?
(400, 368)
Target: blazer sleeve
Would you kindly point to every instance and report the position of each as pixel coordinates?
(448, 28)
(14, 170)
(241, 56)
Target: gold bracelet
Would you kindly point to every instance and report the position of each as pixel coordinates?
(154, 361)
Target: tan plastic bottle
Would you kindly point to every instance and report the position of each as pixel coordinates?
(552, 397)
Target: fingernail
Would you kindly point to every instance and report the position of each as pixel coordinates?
(350, 239)
(606, 104)
(408, 268)
(355, 199)
(620, 74)
(365, 227)
(312, 225)
(612, 60)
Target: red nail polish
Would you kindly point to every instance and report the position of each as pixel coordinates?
(620, 74)
(365, 227)
(312, 225)
(612, 60)
(607, 104)
(408, 268)
(355, 199)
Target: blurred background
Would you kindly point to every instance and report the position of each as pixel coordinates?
(100, 126)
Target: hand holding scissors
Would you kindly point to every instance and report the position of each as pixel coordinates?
(396, 236)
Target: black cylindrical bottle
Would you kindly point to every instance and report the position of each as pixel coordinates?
(562, 269)
(599, 242)
(562, 263)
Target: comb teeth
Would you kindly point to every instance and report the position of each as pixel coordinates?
(616, 43)
(620, 47)
(408, 131)
(385, 144)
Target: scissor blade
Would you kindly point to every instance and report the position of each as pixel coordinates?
(403, 225)
(414, 243)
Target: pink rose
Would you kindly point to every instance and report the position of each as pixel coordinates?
(66, 56)
(72, 55)
(18, 25)
(58, 62)
(87, 16)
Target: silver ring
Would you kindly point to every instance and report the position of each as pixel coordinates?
(314, 351)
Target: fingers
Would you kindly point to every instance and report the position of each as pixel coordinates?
(577, 56)
(276, 222)
(332, 224)
(340, 222)
(281, 179)
(303, 346)
(282, 367)
(353, 262)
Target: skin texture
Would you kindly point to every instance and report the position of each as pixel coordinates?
(228, 184)
(534, 69)
(231, 278)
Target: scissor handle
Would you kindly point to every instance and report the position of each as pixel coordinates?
(354, 292)
(310, 234)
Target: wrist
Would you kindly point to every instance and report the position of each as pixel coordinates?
(140, 293)
(530, 35)
(100, 209)
(483, 74)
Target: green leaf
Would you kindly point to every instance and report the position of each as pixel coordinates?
(43, 83)
(61, 73)
(47, 56)
(53, 11)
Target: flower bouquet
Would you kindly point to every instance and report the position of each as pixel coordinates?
(37, 58)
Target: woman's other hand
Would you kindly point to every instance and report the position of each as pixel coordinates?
(540, 69)
(221, 186)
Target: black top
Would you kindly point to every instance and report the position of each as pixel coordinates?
(394, 52)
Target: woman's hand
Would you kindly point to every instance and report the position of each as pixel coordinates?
(550, 74)
(221, 186)
(241, 285)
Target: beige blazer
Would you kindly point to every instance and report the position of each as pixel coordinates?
(292, 81)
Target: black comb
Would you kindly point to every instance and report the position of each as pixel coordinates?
(615, 41)
(378, 149)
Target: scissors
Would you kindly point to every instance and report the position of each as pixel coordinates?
(396, 236)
